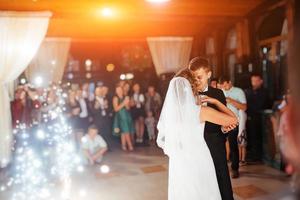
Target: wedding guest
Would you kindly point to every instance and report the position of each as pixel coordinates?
(258, 100)
(153, 102)
(20, 109)
(93, 146)
(126, 88)
(138, 112)
(242, 137)
(36, 114)
(150, 124)
(49, 104)
(127, 93)
(108, 97)
(122, 125)
(121, 83)
(84, 115)
(236, 100)
(227, 146)
(289, 122)
(106, 92)
(26, 106)
(85, 91)
(214, 83)
(73, 110)
(100, 110)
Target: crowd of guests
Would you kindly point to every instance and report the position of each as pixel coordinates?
(131, 115)
(95, 115)
(245, 142)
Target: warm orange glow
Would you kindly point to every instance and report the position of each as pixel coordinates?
(107, 12)
(93, 19)
(157, 1)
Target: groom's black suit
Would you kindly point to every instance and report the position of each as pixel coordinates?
(215, 140)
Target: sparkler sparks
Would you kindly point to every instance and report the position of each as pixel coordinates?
(44, 153)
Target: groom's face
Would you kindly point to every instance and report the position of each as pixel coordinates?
(201, 76)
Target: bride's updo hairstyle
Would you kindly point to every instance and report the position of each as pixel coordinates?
(198, 63)
(186, 73)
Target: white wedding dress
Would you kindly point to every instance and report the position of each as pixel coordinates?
(181, 135)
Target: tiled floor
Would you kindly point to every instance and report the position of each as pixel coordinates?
(142, 175)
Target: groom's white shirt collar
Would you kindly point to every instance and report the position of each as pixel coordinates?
(206, 89)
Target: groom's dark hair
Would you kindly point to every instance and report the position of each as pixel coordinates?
(199, 63)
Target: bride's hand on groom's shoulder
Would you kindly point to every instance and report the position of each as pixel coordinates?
(210, 100)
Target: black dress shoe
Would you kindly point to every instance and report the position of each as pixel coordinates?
(235, 174)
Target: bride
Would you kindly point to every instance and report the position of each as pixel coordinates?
(181, 136)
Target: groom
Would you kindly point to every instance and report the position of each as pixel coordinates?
(213, 134)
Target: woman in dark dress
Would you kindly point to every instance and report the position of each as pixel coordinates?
(20, 109)
(73, 110)
(137, 112)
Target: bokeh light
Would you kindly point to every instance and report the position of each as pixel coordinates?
(110, 67)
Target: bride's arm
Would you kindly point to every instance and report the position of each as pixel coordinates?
(222, 118)
(220, 106)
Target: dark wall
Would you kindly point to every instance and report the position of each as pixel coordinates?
(295, 54)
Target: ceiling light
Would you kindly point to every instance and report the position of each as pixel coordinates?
(88, 62)
(107, 12)
(129, 76)
(122, 76)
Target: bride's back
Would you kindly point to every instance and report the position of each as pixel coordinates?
(181, 135)
(179, 119)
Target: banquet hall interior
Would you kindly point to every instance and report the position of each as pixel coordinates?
(67, 65)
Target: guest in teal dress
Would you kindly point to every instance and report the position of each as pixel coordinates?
(122, 124)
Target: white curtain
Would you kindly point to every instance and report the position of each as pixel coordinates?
(170, 54)
(50, 61)
(21, 33)
(210, 46)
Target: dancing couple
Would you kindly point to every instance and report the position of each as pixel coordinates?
(192, 132)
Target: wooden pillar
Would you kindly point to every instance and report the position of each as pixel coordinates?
(198, 46)
(219, 42)
(290, 15)
(243, 41)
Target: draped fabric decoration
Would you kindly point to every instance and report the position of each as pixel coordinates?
(210, 46)
(231, 42)
(21, 34)
(170, 54)
(49, 63)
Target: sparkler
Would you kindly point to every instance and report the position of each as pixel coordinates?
(42, 149)
(46, 154)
